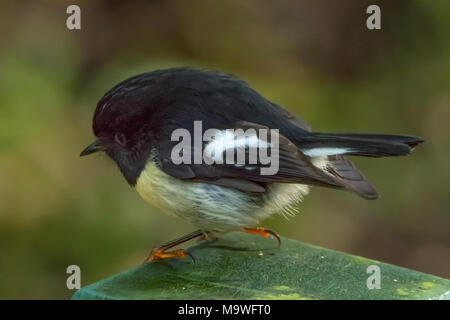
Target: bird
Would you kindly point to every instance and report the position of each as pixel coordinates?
(135, 121)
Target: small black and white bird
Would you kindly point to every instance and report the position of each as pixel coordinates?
(134, 124)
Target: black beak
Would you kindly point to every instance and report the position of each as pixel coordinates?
(92, 148)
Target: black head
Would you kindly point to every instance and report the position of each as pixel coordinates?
(124, 122)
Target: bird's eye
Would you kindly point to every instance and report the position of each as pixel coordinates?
(120, 139)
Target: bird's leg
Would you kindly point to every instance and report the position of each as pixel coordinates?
(263, 232)
(159, 253)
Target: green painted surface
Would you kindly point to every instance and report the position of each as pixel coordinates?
(234, 268)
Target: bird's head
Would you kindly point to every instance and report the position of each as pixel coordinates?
(122, 125)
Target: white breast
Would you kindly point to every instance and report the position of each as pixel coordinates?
(215, 208)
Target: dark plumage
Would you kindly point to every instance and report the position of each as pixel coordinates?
(134, 122)
(144, 110)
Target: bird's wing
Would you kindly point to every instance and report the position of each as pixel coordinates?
(293, 166)
(288, 116)
(350, 177)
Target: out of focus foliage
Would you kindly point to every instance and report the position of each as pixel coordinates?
(316, 58)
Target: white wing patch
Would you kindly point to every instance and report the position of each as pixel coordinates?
(318, 152)
(225, 141)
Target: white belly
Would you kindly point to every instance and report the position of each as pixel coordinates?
(215, 208)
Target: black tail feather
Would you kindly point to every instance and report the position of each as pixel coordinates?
(368, 145)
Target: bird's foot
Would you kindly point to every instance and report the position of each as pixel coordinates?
(263, 232)
(159, 253)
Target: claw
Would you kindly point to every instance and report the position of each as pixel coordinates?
(264, 233)
(190, 256)
(159, 254)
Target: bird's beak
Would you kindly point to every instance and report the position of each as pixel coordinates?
(93, 147)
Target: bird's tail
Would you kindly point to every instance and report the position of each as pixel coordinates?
(367, 145)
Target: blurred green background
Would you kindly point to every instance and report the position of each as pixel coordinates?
(316, 58)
